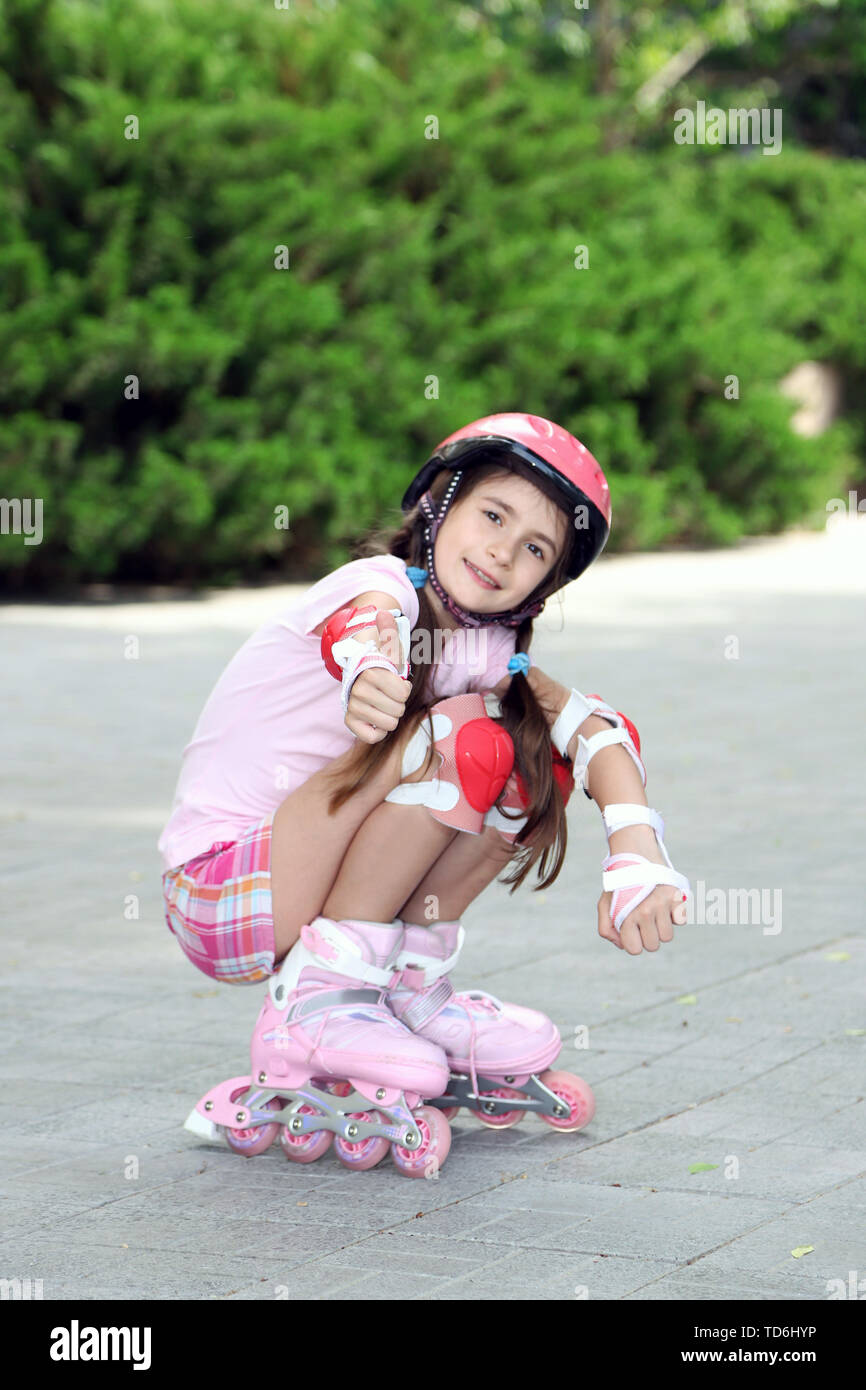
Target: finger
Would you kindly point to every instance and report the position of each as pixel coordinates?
(631, 939)
(649, 935)
(606, 928)
(377, 678)
(665, 927)
(365, 732)
(373, 717)
(376, 718)
(376, 690)
(392, 685)
(376, 700)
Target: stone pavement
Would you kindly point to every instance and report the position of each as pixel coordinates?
(740, 1047)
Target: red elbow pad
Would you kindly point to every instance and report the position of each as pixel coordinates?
(336, 628)
(561, 775)
(635, 736)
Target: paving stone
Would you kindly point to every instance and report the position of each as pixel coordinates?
(760, 1068)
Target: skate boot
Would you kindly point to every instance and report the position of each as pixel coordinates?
(331, 1064)
(499, 1053)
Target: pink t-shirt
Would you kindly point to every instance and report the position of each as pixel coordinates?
(274, 716)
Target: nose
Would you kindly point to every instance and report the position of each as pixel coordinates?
(499, 550)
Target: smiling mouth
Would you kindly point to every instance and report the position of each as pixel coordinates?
(480, 577)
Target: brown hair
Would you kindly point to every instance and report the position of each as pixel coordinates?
(544, 836)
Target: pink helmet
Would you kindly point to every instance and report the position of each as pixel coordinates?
(547, 449)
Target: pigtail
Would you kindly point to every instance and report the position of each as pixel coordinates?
(544, 837)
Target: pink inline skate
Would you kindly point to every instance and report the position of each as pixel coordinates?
(499, 1053)
(331, 1064)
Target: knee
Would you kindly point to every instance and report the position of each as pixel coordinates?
(476, 758)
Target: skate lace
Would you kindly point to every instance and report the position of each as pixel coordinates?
(484, 1003)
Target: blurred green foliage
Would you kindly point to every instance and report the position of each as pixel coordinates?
(410, 259)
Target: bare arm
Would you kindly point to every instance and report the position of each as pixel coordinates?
(611, 776)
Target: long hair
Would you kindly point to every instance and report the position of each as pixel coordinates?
(544, 837)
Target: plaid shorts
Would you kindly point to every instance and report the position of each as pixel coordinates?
(218, 905)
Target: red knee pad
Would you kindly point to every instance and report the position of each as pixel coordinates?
(476, 759)
(484, 755)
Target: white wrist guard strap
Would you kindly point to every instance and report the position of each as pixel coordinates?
(576, 711)
(632, 877)
(353, 656)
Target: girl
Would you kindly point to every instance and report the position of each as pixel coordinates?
(329, 837)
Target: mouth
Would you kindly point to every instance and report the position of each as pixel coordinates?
(480, 577)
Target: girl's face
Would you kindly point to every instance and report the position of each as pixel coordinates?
(497, 543)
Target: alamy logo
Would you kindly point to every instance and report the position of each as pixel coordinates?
(20, 1288)
(714, 907)
(739, 126)
(17, 518)
(75, 1343)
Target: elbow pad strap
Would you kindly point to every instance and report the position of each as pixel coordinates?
(578, 709)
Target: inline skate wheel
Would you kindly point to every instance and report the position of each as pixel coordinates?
(576, 1094)
(449, 1111)
(362, 1153)
(258, 1137)
(305, 1148)
(427, 1159)
(508, 1117)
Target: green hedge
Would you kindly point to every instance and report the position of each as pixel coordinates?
(409, 258)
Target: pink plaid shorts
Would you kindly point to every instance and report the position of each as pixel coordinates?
(218, 905)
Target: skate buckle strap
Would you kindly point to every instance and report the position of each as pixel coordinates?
(425, 1005)
(312, 937)
(328, 945)
(410, 977)
(418, 970)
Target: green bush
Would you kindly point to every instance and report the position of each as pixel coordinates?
(409, 259)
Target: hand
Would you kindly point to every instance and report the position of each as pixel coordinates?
(378, 697)
(648, 925)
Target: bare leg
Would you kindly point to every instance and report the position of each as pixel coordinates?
(372, 857)
(402, 856)
(459, 875)
(308, 844)
(390, 855)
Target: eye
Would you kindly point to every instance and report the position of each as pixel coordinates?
(536, 549)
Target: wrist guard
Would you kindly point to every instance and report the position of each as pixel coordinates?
(632, 877)
(345, 657)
